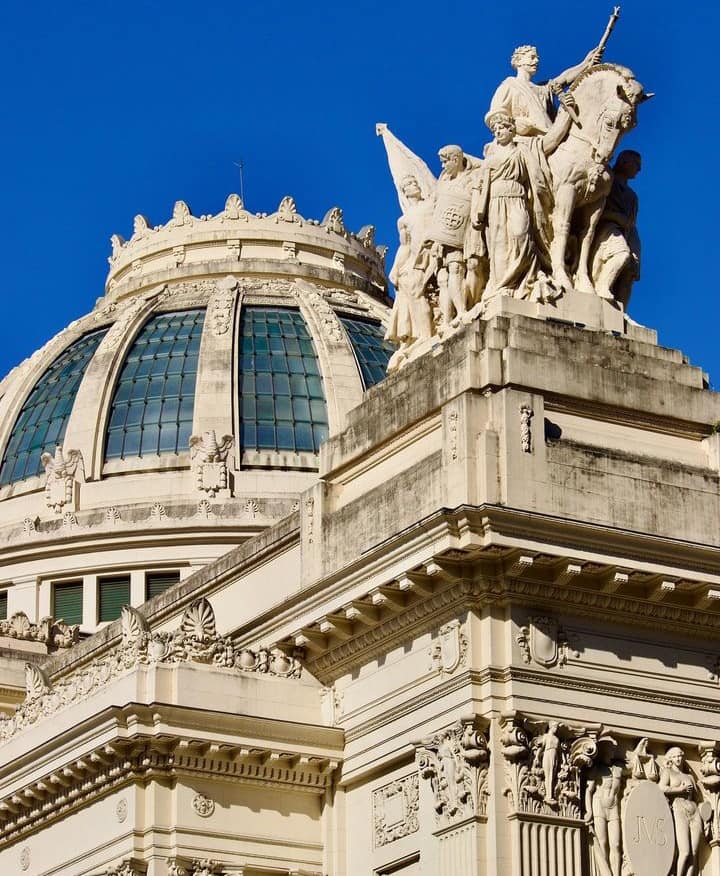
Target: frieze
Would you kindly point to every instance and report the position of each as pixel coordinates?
(196, 640)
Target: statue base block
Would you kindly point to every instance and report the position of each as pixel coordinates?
(579, 308)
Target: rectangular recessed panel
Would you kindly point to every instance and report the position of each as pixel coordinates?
(158, 582)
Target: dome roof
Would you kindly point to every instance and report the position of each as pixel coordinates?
(188, 407)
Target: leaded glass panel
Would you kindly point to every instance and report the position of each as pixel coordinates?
(371, 349)
(282, 398)
(43, 419)
(152, 408)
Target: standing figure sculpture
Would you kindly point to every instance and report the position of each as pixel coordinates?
(615, 257)
(411, 317)
(681, 790)
(451, 242)
(550, 756)
(515, 207)
(602, 815)
(530, 105)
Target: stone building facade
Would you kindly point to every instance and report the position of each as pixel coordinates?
(475, 630)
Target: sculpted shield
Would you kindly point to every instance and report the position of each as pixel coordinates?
(648, 831)
(543, 640)
(450, 218)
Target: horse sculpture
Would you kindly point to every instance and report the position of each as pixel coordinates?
(606, 99)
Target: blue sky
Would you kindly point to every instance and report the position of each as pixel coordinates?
(115, 109)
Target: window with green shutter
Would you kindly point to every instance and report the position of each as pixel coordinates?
(158, 582)
(68, 602)
(3, 605)
(113, 593)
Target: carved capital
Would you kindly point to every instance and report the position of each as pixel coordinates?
(455, 761)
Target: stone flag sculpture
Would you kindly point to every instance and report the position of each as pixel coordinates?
(540, 217)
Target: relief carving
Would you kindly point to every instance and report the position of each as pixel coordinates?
(221, 304)
(60, 484)
(450, 647)
(544, 641)
(209, 461)
(396, 809)
(456, 763)
(204, 806)
(54, 634)
(196, 640)
(526, 415)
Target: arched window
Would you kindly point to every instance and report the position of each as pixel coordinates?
(371, 349)
(44, 417)
(152, 409)
(282, 405)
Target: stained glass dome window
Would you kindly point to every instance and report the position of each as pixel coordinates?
(43, 419)
(282, 401)
(152, 409)
(371, 349)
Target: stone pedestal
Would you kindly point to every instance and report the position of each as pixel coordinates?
(461, 848)
(545, 847)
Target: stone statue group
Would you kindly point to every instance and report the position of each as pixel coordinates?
(541, 214)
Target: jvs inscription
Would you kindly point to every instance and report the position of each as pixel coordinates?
(648, 831)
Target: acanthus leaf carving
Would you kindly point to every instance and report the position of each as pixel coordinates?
(332, 328)
(456, 761)
(220, 306)
(36, 682)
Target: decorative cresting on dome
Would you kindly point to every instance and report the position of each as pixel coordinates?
(283, 242)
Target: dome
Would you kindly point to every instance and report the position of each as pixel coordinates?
(184, 413)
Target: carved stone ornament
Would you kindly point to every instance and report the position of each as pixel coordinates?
(526, 415)
(544, 641)
(121, 810)
(543, 764)
(449, 648)
(54, 634)
(60, 469)
(287, 211)
(25, 858)
(333, 331)
(333, 221)
(456, 763)
(196, 641)
(209, 461)
(129, 867)
(648, 831)
(710, 781)
(204, 806)
(158, 513)
(395, 810)
(30, 525)
(221, 304)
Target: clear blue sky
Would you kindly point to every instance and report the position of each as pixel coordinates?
(114, 109)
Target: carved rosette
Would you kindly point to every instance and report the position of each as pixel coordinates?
(196, 641)
(456, 761)
(203, 805)
(60, 469)
(396, 809)
(209, 461)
